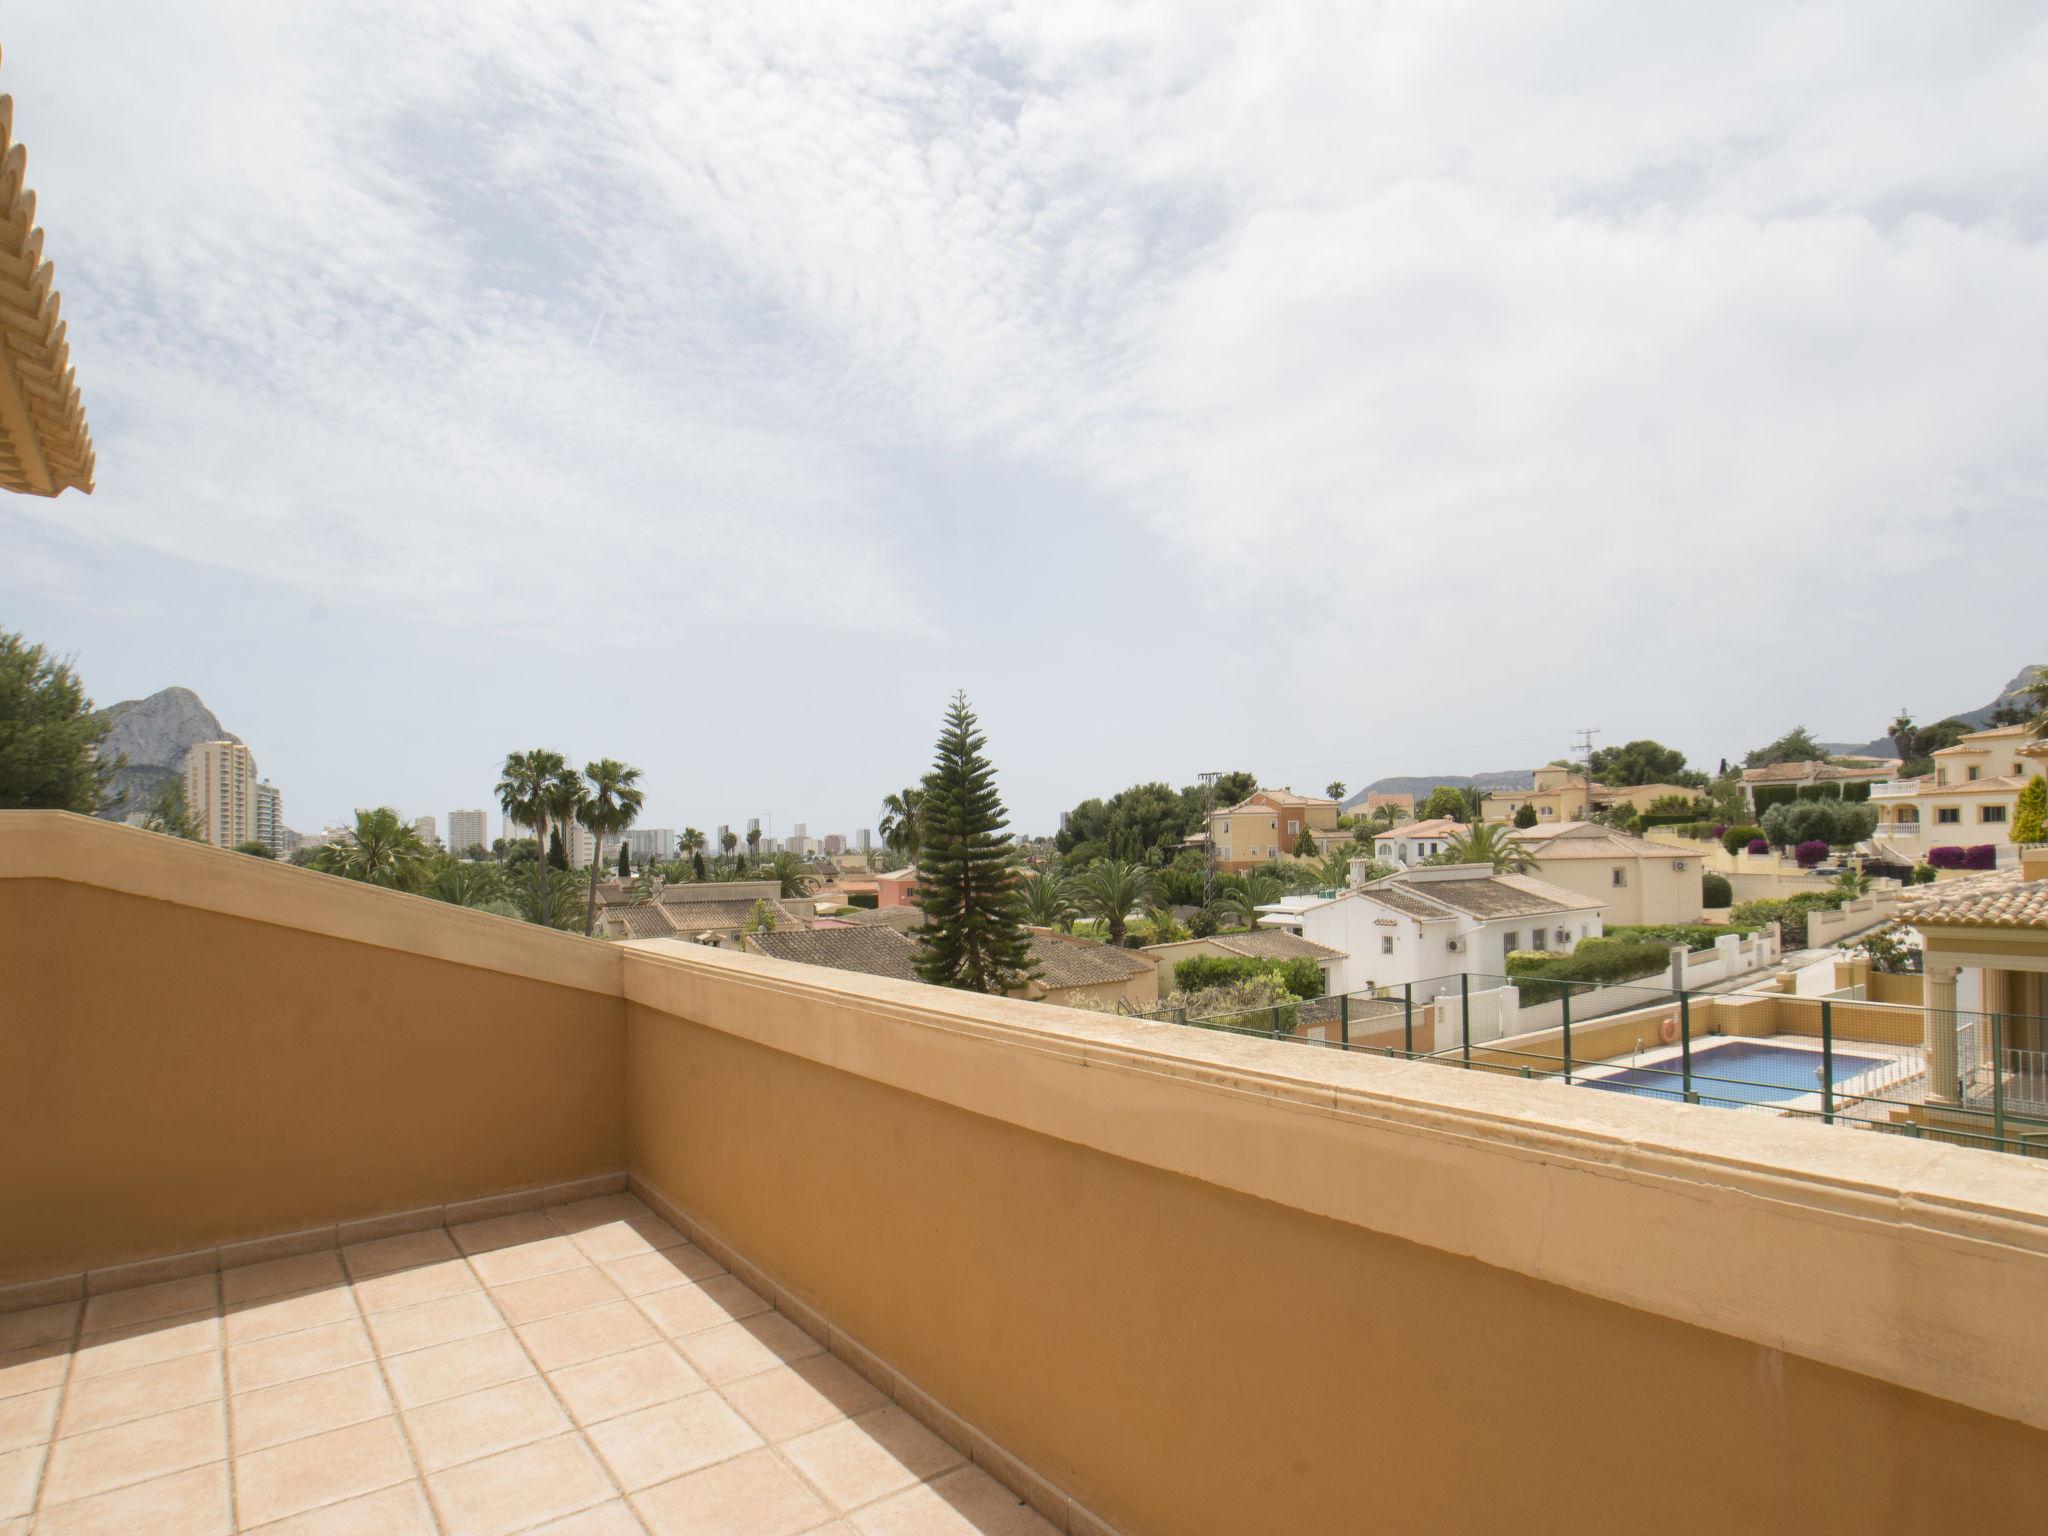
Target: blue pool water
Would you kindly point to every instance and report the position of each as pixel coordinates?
(1733, 1072)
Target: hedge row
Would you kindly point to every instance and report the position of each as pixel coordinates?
(1788, 912)
(1540, 974)
(1691, 935)
(1300, 976)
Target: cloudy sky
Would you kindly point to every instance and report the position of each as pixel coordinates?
(1336, 391)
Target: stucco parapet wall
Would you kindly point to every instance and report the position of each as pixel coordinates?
(58, 845)
(1899, 1259)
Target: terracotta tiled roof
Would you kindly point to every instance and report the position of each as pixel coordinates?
(730, 916)
(1438, 826)
(871, 951)
(1273, 944)
(2004, 899)
(902, 919)
(1812, 772)
(1979, 786)
(45, 448)
(643, 922)
(1482, 896)
(1065, 962)
(1583, 841)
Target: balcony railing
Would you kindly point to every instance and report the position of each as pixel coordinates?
(952, 1263)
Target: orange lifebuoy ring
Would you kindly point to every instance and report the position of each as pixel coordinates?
(1668, 1031)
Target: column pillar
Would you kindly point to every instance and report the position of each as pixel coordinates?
(1940, 1032)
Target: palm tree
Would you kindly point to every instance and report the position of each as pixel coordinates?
(754, 844)
(1487, 842)
(1111, 889)
(611, 805)
(523, 796)
(1334, 789)
(1047, 902)
(791, 873)
(1475, 803)
(899, 825)
(565, 794)
(462, 883)
(691, 842)
(381, 850)
(727, 841)
(1240, 901)
(562, 889)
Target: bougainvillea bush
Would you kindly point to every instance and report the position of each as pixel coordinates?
(1758, 845)
(1977, 856)
(1811, 852)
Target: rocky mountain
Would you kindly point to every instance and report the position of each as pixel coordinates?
(154, 734)
(1420, 784)
(1976, 719)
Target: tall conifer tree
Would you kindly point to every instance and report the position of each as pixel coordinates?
(973, 936)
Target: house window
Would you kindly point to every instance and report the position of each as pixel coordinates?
(1975, 770)
(1547, 811)
(1991, 813)
(1620, 876)
(1947, 814)
(1386, 943)
(1540, 939)
(1510, 942)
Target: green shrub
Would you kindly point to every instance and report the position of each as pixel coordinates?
(1923, 874)
(2030, 813)
(1834, 822)
(1764, 796)
(1691, 935)
(861, 899)
(1788, 912)
(1301, 977)
(1603, 961)
(1735, 839)
(1715, 891)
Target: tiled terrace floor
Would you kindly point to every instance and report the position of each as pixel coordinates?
(582, 1371)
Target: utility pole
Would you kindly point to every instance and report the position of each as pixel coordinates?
(1585, 745)
(1208, 835)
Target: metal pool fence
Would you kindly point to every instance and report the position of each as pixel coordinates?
(1956, 1075)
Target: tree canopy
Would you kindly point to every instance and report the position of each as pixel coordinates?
(49, 734)
(1642, 762)
(1795, 746)
(973, 934)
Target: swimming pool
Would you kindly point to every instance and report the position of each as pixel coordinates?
(1731, 1073)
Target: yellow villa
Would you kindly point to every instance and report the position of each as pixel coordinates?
(1969, 798)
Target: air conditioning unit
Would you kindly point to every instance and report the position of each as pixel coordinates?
(1678, 864)
(1564, 935)
(1455, 946)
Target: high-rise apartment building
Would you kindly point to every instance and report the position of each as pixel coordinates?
(424, 826)
(270, 827)
(835, 844)
(719, 846)
(645, 843)
(867, 839)
(468, 829)
(220, 792)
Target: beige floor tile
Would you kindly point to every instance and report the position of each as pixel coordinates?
(449, 1370)
(291, 1356)
(28, 1419)
(808, 1394)
(640, 1378)
(575, 1337)
(529, 1261)
(248, 1321)
(193, 1503)
(668, 1440)
(516, 1489)
(753, 1495)
(625, 1239)
(702, 1304)
(140, 1344)
(323, 1469)
(582, 1215)
(34, 1369)
(149, 1303)
(310, 1406)
(416, 1287)
(612, 1518)
(871, 1457)
(18, 1473)
(282, 1277)
(15, 1527)
(388, 1255)
(434, 1322)
(38, 1325)
(967, 1502)
(503, 1232)
(100, 1459)
(397, 1511)
(460, 1429)
(662, 1270)
(570, 1290)
(746, 1348)
(161, 1388)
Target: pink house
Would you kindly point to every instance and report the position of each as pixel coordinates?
(894, 889)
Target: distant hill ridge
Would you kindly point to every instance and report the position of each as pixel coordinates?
(154, 734)
(1976, 719)
(1420, 784)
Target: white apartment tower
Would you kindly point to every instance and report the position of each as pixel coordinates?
(220, 792)
(270, 830)
(467, 829)
(424, 826)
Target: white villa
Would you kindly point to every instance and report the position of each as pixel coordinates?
(1427, 925)
(1641, 882)
(1415, 841)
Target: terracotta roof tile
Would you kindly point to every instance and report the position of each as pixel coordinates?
(871, 951)
(1067, 962)
(2003, 899)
